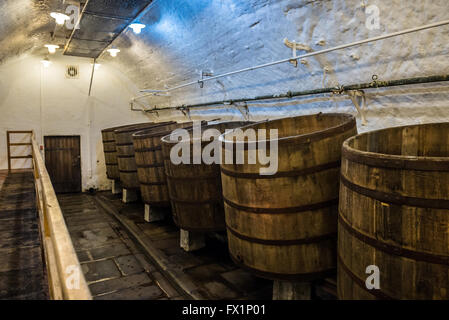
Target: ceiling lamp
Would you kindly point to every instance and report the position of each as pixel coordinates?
(52, 48)
(46, 62)
(113, 52)
(59, 17)
(137, 27)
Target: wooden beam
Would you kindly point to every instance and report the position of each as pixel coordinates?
(20, 144)
(8, 141)
(11, 144)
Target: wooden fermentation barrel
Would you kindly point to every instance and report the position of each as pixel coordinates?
(125, 153)
(195, 189)
(394, 213)
(150, 164)
(284, 226)
(110, 153)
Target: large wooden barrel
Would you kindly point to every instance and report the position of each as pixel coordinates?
(195, 189)
(110, 152)
(150, 164)
(394, 214)
(284, 226)
(125, 153)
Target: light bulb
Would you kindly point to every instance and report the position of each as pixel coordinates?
(113, 52)
(46, 62)
(59, 17)
(52, 48)
(137, 27)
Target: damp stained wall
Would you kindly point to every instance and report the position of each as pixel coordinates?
(185, 36)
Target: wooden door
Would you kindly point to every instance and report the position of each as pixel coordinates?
(63, 162)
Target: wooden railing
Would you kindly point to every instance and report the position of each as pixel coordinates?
(10, 144)
(65, 276)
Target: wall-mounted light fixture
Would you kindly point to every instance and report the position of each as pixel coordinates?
(113, 52)
(137, 27)
(46, 62)
(52, 48)
(59, 17)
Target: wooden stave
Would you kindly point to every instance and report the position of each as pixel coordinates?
(150, 164)
(110, 152)
(314, 248)
(424, 260)
(192, 211)
(125, 153)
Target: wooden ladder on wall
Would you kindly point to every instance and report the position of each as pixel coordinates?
(10, 144)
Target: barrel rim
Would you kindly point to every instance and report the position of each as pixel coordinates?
(166, 139)
(385, 160)
(155, 132)
(140, 126)
(349, 121)
(116, 128)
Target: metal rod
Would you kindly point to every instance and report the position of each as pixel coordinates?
(353, 44)
(338, 90)
(92, 76)
(66, 47)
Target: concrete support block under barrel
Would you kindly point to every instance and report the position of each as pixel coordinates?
(116, 187)
(285, 290)
(129, 195)
(153, 214)
(191, 241)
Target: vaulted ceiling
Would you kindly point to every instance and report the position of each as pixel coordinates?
(25, 26)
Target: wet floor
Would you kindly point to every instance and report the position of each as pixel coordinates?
(113, 265)
(22, 270)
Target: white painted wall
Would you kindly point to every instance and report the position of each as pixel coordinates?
(54, 105)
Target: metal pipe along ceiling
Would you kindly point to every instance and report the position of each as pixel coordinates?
(333, 90)
(353, 44)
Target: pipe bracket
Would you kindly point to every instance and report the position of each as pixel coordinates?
(295, 47)
(354, 95)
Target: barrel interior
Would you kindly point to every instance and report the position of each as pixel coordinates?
(288, 128)
(218, 127)
(429, 140)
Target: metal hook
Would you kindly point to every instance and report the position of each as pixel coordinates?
(353, 95)
(185, 111)
(375, 79)
(295, 47)
(154, 113)
(243, 109)
(202, 75)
